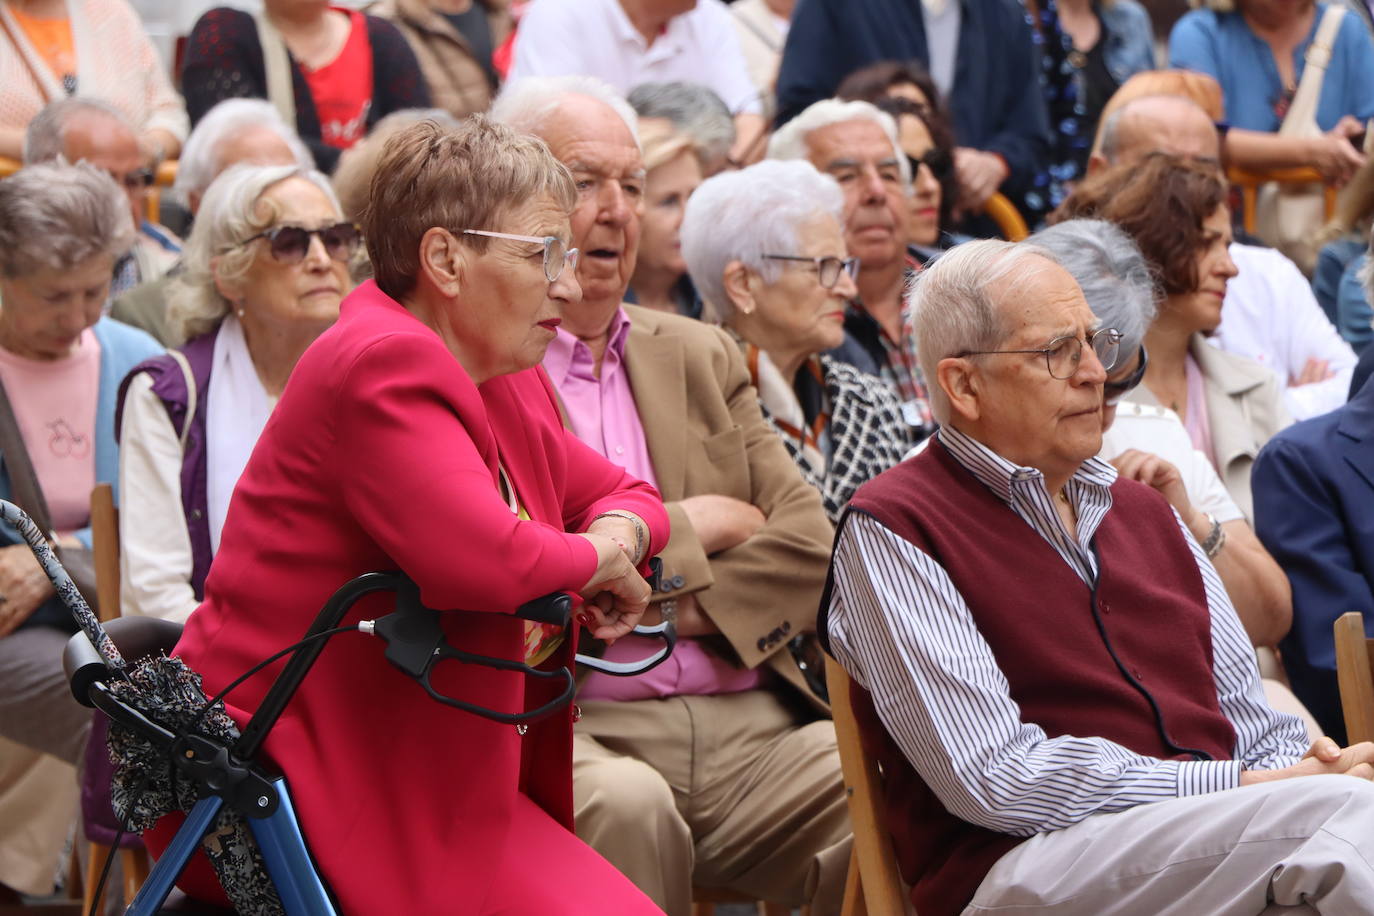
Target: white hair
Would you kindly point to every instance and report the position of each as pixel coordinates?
(528, 102)
(55, 215)
(790, 140)
(951, 305)
(743, 215)
(1111, 271)
(229, 216)
(693, 109)
(43, 138)
(200, 159)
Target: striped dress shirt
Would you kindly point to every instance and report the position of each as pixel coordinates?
(898, 624)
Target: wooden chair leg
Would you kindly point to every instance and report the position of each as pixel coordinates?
(96, 853)
(853, 904)
(703, 908)
(136, 866)
(774, 909)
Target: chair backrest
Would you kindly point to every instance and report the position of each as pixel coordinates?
(1008, 219)
(880, 883)
(105, 547)
(1249, 183)
(1355, 672)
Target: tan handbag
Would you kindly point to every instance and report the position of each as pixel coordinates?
(1289, 217)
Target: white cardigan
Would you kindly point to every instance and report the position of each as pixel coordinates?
(115, 62)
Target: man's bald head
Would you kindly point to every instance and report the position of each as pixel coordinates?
(1168, 124)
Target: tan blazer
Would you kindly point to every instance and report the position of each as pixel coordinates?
(1244, 409)
(706, 434)
(457, 82)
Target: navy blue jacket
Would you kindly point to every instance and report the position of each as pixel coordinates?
(996, 104)
(1314, 511)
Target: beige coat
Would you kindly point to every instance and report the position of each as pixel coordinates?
(1244, 409)
(457, 82)
(706, 434)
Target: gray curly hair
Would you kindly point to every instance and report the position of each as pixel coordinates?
(56, 215)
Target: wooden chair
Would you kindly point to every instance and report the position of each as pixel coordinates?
(874, 886)
(1249, 184)
(105, 546)
(704, 900)
(1008, 219)
(1355, 672)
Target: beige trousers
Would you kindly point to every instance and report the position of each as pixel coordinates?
(732, 791)
(38, 808)
(1293, 846)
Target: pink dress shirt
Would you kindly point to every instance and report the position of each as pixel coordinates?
(602, 412)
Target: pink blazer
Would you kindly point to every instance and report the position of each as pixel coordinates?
(382, 454)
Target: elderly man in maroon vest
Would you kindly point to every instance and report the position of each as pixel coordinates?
(1064, 702)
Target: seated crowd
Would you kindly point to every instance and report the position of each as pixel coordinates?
(589, 282)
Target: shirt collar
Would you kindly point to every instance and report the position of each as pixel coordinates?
(566, 352)
(998, 474)
(626, 33)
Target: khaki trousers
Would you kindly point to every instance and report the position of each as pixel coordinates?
(732, 791)
(38, 808)
(1294, 846)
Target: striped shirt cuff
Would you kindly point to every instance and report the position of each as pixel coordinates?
(1200, 777)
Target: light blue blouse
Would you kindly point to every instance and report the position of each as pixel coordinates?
(1222, 45)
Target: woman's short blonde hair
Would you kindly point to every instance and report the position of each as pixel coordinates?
(463, 177)
(662, 142)
(231, 213)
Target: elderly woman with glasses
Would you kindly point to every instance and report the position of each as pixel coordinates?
(62, 227)
(1148, 443)
(419, 434)
(265, 269)
(1175, 211)
(765, 247)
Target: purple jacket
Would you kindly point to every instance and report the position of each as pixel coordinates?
(169, 384)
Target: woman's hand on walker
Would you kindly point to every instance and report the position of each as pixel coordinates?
(616, 594)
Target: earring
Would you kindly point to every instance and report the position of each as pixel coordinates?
(239, 310)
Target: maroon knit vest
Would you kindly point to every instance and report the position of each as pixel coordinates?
(1056, 652)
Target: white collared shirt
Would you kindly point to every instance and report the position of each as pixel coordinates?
(1271, 316)
(898, 624)
(596, 38)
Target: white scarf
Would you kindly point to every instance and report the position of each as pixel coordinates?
(237, 408)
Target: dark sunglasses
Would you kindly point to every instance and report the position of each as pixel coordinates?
(136, 180)
(939, 161)
(290, 244)
(1113, 392)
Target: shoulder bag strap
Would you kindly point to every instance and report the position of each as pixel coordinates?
(277, 66)
(1301, 119)
(23, 479)
(191, 394)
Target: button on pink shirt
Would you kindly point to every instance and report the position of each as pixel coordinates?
(603, 414)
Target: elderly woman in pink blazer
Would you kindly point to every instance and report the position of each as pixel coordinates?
(419, 434)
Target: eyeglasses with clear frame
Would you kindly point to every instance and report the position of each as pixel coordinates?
(1063, 354)
(828, 268)
(557, 255)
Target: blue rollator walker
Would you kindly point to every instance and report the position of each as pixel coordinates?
(100, 658)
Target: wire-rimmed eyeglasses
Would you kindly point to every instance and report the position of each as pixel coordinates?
(557, 255)
(828, 268)
(1063, 354)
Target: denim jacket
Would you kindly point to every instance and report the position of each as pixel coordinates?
(1130, 38)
